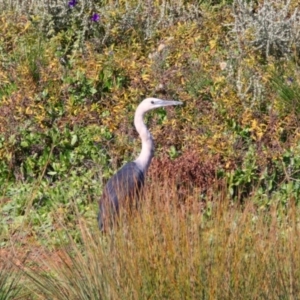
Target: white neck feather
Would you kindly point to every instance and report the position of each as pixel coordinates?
(145, 157)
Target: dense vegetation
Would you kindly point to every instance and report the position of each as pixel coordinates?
(223, 191)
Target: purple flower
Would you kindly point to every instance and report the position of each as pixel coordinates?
(72, 3)
(95, 17)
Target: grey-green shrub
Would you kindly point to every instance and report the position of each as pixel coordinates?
(270, 27)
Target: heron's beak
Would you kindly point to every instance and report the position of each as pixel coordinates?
(169, 103)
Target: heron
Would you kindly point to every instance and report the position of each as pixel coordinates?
(125, 186)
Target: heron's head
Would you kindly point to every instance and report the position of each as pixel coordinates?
(151, 103)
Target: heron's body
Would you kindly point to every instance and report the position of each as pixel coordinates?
(125, 185)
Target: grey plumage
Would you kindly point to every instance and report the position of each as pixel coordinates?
(125, 185)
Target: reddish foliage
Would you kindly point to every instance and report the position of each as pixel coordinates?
(187, 171)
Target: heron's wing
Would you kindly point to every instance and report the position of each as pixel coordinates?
(125, 184)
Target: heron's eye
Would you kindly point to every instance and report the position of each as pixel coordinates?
(152, 102)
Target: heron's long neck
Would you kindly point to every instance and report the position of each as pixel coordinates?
(144, 159)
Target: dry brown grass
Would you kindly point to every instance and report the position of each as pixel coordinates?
(175, 251)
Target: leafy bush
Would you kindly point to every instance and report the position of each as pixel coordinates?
(103, 22)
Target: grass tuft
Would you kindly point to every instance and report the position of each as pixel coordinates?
(9, 281)
(174, 251)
